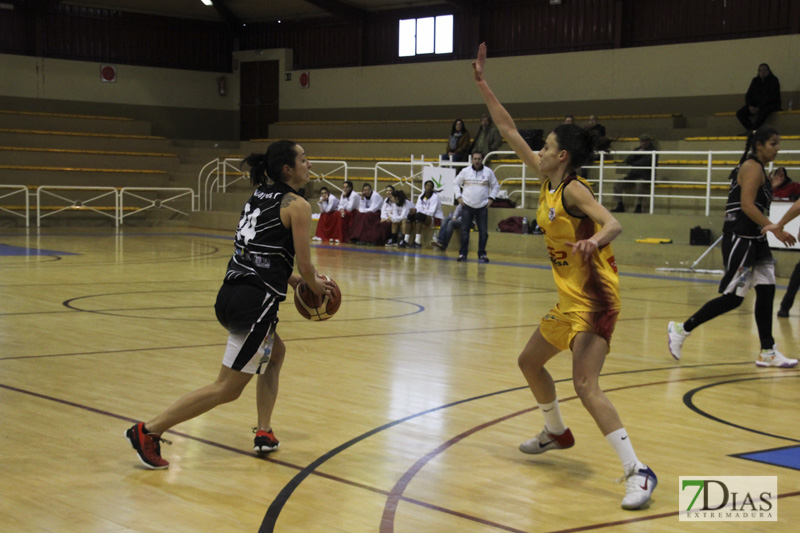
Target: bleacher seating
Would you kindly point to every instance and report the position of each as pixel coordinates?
(49, 148)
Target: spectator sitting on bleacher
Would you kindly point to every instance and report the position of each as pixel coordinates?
(348, 205)
(594, 128)
(640, 175)
(783, 186)
(398, 215)
(763, 97)
(569, 119)
(385, 223)
(328, 215)
(600, 142)
(458, 143)
(365, 228)
(488, 139)
(452, 222)
(428, 213)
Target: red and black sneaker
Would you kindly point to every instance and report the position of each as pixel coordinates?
(147, 446)
(265, 441)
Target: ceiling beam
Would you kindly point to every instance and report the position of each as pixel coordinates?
(226, 14)
(463, 4)
(339, 9)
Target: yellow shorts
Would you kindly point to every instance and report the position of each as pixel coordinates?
(559, 328)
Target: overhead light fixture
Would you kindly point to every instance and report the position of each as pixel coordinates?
(207, 2)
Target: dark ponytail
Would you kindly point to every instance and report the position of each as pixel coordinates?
(269, 166)
(761, 135)
(577, 142)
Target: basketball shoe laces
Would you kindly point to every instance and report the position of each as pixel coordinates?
(152, 444)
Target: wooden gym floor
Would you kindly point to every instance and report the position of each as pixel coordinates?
(403, 413)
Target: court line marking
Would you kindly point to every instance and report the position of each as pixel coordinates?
(305, 471)
(390, 507)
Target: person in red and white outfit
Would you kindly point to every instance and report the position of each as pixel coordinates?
(328, 213)
(365, 228)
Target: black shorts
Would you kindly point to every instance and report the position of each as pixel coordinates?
(240, 306)
(741, 256)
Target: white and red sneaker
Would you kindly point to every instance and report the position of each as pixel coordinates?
(548, 441)
(639, 486)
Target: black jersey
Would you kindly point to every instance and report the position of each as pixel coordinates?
(736, 221)
(264, 249)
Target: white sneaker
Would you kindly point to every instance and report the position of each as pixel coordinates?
(315, 238)
(775, 358)
(548, 441)
(639, 485)
(675, 337)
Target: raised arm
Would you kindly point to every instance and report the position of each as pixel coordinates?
(502, 119)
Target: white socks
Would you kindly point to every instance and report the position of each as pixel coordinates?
(622, 445)
(552, 417)
(418, 238)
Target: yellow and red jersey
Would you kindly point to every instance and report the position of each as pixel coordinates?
(582, 285)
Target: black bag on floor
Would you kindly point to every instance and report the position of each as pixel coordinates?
(699, 236)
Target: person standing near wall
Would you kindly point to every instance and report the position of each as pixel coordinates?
(476, 187)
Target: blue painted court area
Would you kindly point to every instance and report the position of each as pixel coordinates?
(788, 457)
(7, 249)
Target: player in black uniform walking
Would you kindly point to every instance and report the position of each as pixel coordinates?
(747, 256)
(274, 228)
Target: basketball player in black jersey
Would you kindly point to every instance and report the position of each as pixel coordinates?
(273, 230)
(745, 251)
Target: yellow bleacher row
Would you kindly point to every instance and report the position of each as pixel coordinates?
(448, 121)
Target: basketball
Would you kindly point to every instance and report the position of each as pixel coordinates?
(317, 308)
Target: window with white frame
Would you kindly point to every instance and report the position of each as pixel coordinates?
(429, 35)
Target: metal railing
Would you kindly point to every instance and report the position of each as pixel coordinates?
(169, 203)
(679, 175)
(17, 189)
(78, 201)
(676, 172)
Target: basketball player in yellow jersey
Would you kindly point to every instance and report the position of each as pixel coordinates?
(578, 232)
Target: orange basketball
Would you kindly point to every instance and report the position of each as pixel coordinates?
(316, 308)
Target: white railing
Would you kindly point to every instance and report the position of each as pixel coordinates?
(703, 173)
(17, 189)
(209, 172)
(109, 201)
(382, 169)
(83, 201)
(169, 203)
(213, 177)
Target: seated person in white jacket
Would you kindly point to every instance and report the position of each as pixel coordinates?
(398, 215)
(364, 228)
(328, 212)
(348, 206)
(429, 211)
